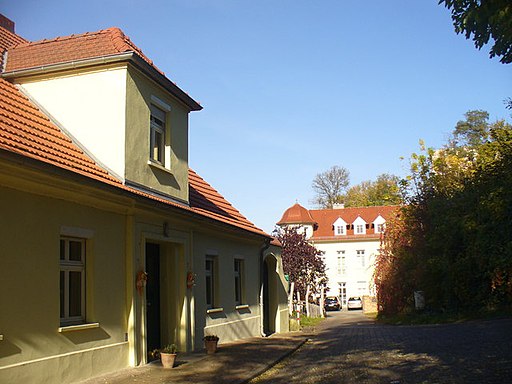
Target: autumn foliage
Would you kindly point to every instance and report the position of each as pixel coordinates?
(301, 261)
(453, 238)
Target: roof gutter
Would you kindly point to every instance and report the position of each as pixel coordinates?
(109, 59)
(75, 64)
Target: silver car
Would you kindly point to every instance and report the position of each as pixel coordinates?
(355, 303)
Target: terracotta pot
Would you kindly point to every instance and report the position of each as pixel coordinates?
(167, 359)
(211, 346)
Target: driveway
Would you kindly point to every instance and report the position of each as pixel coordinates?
(349, 348)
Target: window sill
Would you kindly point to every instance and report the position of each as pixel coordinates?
(215, 310)
(159, 166)
(242, 306)
(78, 327)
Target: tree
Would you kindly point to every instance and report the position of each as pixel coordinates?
(301, 260)
(384, 191)
(482, 20)
(474, 130)
(330, 186)
(453, 240)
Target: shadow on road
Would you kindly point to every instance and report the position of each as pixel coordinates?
(349, 348)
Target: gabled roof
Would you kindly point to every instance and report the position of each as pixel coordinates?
(27, 131)
(84, 49)
(105, 42)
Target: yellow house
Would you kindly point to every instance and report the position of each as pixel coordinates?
(110, 245)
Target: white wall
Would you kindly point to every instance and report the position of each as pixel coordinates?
(92, 108)
(355, 272)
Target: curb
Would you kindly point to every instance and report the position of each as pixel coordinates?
(277, 361)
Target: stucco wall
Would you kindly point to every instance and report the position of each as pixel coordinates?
(355, 273)
(229, 324)
(33, 348)
(91, 106)
(173, 179)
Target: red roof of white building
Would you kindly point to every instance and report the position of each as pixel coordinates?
(323, 220)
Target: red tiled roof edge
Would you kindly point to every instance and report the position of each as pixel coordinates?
(205, 199)
(119, 43)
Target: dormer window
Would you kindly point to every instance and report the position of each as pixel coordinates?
(157, 139)
(360, 226)
(339, 227)
(379, 224)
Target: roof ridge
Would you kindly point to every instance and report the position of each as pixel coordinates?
(122, 43)
(62, 38)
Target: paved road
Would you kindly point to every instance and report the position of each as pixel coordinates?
(348, 348)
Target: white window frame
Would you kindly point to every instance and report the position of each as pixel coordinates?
(342, 292)
(341, 267)
(67, 266)
(340, 230)
(238, 270)
(362, 258)
(360, 229)
(210, 281)
(155, 129)
(379, 228)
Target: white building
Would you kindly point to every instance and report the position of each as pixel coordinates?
(350, 241)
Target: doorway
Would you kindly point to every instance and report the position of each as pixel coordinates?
(269, 295)
(153, 317)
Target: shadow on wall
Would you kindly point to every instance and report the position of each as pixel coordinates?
(8, 349)
(87, 335)
(165, 178)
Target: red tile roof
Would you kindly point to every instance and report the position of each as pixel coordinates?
(323, 220)
(25, 130)
(326, 218)
(8, 39)
(296, 214)
(66, 49)
(207, 201)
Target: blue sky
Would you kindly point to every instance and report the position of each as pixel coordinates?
(291, 88)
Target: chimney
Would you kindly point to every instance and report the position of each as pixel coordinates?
(6, 23)
(338, 206)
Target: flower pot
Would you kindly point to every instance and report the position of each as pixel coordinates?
(167, 359)
(211, 346)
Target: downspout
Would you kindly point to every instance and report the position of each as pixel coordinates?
(264, 247)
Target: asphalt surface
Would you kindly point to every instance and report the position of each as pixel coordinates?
(347, 348)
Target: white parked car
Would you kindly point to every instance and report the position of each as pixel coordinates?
(355, 303)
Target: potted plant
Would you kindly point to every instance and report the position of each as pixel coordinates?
(210, 343)
(168, 355)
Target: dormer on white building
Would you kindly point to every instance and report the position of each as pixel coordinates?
(379, 224)
(359, 226)
(340, 227)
